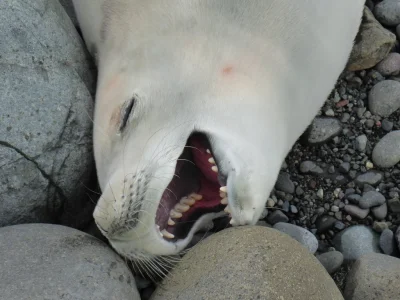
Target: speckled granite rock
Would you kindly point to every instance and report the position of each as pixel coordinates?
(248, 262)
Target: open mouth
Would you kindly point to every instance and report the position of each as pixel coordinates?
(196, 189)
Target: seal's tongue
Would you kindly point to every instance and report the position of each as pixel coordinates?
(194, 191)
(209, 185)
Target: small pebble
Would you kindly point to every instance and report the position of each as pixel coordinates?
(380, 212)
(386, 152)
(371, 199)
(356, 241)
(276, 217)
(379, 226)
(302, 235)
(387, 242)
(356, 211)
(361, 143)
(331, 260)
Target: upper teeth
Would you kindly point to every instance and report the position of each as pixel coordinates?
(181, 207)
(186, 202)
(167, 234)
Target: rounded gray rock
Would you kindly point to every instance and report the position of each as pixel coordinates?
(387, 242)
(388, 12)
(390, 65)
(373, 43)
(386, 153)
(276, 217)
(356, 241)
(310, 167)
(384, 98)
(356, 211)
(371, 177)
(380, 212)
(323, 129)
(302, 235)
(43, 261)
(45, 116)
(247, 263)
(371, 199)
(331, 261)
(284, 183)
(374, 277)
(361, 142)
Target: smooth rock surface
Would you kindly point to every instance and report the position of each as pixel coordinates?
(323, 129)
(356, 211)
(374, 277)
(371, 199)
(356, 241)
(248, 262)
(45, 116)
(372, 44)
(331, 261)
(372, 178)
(380, 212)
(284, 183)
(384, 98)
(387, 242)
(389, 65)
(386, 152)
(302, 235)
(387, 12)
(52, 262)
(276, 217)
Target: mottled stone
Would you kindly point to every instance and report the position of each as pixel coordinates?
(374, 277)
(372, 44)
(248, 262)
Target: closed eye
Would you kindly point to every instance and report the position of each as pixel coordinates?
(127, 110)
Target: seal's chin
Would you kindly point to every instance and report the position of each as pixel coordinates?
(196, 190)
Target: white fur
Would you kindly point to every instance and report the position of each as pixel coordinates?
(286, 56)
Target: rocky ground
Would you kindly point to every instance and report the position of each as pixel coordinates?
(338, 193)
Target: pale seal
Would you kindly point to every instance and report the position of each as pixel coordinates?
(198, 103)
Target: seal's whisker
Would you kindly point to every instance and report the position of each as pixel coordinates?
(90, 190)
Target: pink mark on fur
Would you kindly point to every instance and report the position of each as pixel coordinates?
(227, 70)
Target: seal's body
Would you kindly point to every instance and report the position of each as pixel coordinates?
(198, 103)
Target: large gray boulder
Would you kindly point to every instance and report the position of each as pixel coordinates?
(374, 277)
(248, 262)
(52, 262)
(372, 44)
(46, 85)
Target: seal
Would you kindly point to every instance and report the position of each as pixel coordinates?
(198, 102)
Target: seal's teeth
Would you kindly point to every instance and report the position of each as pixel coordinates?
(215, 169)
(188, 201)
(170, 222)
(222, 194)
(195, 196)
(232, 222)
(174, 214)
(167, 234)
(211, 160)
(227, 209)
(224, 201)
(181, 207)
(208, 151)
(223, 189)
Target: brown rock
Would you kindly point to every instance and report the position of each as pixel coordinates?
(372, 44)
(248, 262)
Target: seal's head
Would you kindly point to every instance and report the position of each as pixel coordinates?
(179, 143)
(197, 105)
